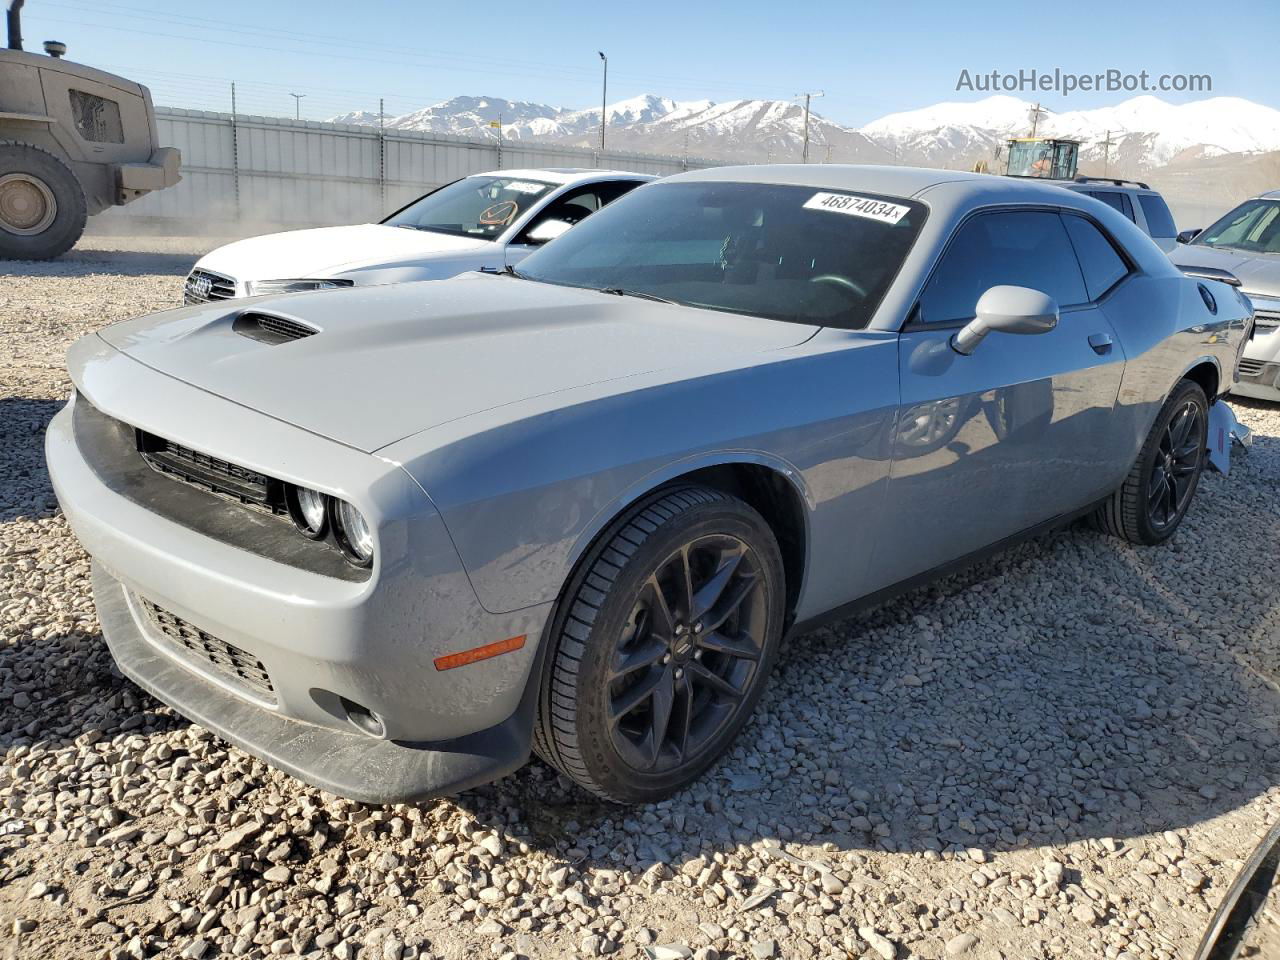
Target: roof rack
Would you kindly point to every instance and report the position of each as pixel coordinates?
(1113, 181)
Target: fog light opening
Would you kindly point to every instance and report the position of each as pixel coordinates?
(364, 719)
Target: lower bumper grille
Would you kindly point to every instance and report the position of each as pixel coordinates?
(237, 666)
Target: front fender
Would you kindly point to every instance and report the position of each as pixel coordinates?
(683, 467)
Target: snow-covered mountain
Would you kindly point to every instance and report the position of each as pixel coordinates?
(750, 130)
(1145, 132)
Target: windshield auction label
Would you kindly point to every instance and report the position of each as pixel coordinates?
(525, 186)
(857, 206)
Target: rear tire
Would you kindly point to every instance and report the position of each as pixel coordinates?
(1151, 503)
(42, 206)
(663, 643)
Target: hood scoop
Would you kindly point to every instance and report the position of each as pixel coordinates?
(270, 328)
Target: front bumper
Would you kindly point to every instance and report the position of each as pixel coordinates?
(350, 765)
(1260, 363)
(322, 641)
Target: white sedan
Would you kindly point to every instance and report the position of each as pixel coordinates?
(484, 221)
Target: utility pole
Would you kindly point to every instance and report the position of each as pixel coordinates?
(1106, 155)
(804, 155)
(297, 105)
(235, 150)
(1037, 112)
(604, 99)
(382, 159)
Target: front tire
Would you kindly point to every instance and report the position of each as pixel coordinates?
(1151, 503)
(42, 207)
(662, 645)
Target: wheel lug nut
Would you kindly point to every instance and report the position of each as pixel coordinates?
(666, 658)
(679, 673)
(697, 654)
(697, 628)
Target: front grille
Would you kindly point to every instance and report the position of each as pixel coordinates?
(1265, 318)
(1251, 368)
(270, 328)
(239, 667)
(203, 286)
(226, 479)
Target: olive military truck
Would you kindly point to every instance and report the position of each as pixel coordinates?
(73, 142)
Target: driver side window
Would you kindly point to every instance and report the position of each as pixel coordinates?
(1023, 248)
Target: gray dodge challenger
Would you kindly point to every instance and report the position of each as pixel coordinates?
(392, 539)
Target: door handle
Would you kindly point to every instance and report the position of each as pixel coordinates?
(1101, 343)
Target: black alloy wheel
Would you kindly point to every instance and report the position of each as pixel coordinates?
(1176, 464)
(661, 645)
(690, 651)
(1151, 503)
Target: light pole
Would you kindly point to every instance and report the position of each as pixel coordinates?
(297, 105)
(807, 96)
(604, 99)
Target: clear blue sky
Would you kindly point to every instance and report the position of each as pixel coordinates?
(870, 60)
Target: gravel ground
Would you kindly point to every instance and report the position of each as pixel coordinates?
(1065, 752)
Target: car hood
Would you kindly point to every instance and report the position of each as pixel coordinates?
(1259, 274)
(390, 361)
(324, 251)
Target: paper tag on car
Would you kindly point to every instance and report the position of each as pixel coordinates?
(857, 206)
(525, 186)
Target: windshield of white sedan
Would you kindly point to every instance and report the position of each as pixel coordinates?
(799, 254)
(480, 207)
(1253, 226)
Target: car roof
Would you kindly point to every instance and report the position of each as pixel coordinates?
(567, 175)
(1270, 195)
(885, 180)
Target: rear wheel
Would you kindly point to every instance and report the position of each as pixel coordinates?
(42, 208)
(1150, 504)
(663, 645)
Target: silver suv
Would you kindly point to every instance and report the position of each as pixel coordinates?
(1246, 243)
(1137, 201)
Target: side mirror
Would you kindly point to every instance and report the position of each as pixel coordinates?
(1186, 236)
(547, 230)
(1007, 309)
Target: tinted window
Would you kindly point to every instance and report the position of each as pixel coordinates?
(784, 252)
(1101, 264)
(1113, 198)
(1025, 249)
(1159, 219)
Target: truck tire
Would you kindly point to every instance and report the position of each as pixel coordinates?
(42, 207)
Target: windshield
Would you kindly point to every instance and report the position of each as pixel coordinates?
(1253, 226)
(788, 253)
(479, 207)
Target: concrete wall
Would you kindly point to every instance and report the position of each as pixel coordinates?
(265, 170)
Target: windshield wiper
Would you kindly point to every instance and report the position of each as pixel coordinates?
(620, 292)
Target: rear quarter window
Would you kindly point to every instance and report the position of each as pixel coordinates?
(1101, 264)
(1159, 219)
(1114, 198)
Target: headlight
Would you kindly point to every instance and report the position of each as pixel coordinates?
(257, 288)
(307, 508)
(352, 533)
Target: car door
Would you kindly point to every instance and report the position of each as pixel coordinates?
(1020, 431)
(572, 207)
